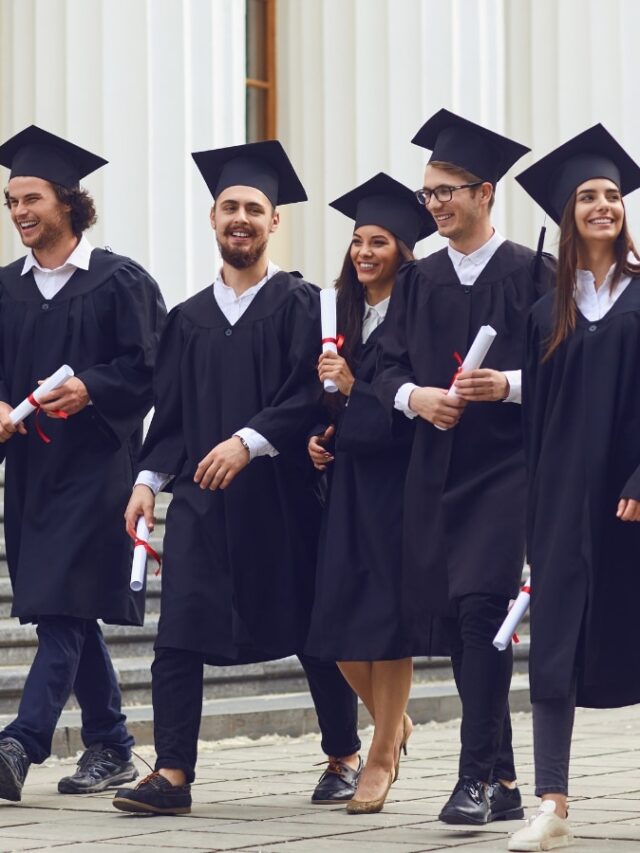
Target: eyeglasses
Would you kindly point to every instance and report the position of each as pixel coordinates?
(442, 193)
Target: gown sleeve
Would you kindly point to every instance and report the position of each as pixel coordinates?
(121, 390)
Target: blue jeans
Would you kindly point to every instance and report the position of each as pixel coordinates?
(71, 657)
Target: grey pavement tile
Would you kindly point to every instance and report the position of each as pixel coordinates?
(185, 840)
(627, 832)
(10, 843)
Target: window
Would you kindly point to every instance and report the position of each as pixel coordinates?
(261, 70)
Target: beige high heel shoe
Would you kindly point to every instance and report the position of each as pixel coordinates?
(370, 806)
(407, 730)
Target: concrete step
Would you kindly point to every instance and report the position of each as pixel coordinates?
(284, 714)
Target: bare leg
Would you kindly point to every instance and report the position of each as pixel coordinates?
(358, 675)
(391, 684)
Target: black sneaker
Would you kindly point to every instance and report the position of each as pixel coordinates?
(337, 784)
(506, 803)
(14, 764)
(468, 803)
(154, 795)
(99, 768)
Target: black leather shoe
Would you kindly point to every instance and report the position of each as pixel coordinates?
(337, 784)
(154, 795)
(505, 803)
(99, 768)
(14, 764)
(468, 804)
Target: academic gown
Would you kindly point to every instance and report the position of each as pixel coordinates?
(582, 428)
(239, 563)
(357, 607)
(67, 550)
(464, 514)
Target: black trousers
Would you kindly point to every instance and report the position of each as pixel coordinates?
(71, 656)
(483, 678)
(177, 688)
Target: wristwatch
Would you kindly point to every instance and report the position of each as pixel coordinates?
(244, 443)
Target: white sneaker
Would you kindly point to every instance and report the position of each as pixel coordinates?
(544, 831)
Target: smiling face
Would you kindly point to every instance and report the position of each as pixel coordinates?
(375, 256)
(243, 218)
(599, 211)
(468, 210)
(39, 217)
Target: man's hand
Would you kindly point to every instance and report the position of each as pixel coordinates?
(7, 429)
(71, 398)
(435, 406)
(317, 449)
(628, 510)
(482, 385)
(220, 465)
(141, 502)
(333, 366)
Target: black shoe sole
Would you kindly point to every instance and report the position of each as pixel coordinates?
(68, 787)
(509, 814)
(334, 802)
(461, 820)
(135, 806)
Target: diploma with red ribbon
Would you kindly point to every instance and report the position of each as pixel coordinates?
(329, 328)
(142, 548)
(32, 402)
(507, 631)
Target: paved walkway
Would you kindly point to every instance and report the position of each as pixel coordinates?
(253, 796)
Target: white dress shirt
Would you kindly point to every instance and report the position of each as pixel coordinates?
(233, 307)
(50, 282)
(594, 304)
(468, 269)
(373, 316)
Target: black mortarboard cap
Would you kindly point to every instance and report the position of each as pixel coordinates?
(592, 154)
(463, 143)
(263, 165)
(387, 203)
(36, 153)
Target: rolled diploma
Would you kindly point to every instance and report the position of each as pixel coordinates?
(514, 617)
(56, 379)
(329, 324)
(477, 353)
(139, 564)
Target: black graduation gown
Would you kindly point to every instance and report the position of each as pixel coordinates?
(357, 607)
(239, 564)
(67, 550)
(464, 515)
(582, 439)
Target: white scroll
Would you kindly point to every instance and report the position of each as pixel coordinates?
(139, 564)
(477, 353)
(329, 325)
(25, 408)
(514, 617)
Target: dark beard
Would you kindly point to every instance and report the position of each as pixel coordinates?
(241, 259)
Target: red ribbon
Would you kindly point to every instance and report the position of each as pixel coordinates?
(458, 358)
(58, 412)
(516, 639)
(339, 341)
(150, 551)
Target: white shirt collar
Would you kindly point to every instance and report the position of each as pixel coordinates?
(586, 279)
(380, 308)
(481, 256)
(78, 259)
(227, 294)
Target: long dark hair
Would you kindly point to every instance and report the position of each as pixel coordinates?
(565, 303)
(350, 302)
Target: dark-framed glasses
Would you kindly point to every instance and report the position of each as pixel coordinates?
(442, 193)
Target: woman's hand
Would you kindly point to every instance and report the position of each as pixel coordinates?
(628, 510)
(333, 366)
(317, 448)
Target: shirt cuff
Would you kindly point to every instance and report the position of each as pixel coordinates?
(154, 480)
(514, 378)
(258, 444)
(401, 401)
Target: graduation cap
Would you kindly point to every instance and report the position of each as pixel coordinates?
(263, 165)
(389, 204)
(592, 154)
(456, 140)
(36, 153)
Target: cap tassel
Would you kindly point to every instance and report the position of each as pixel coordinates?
(540, 247)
